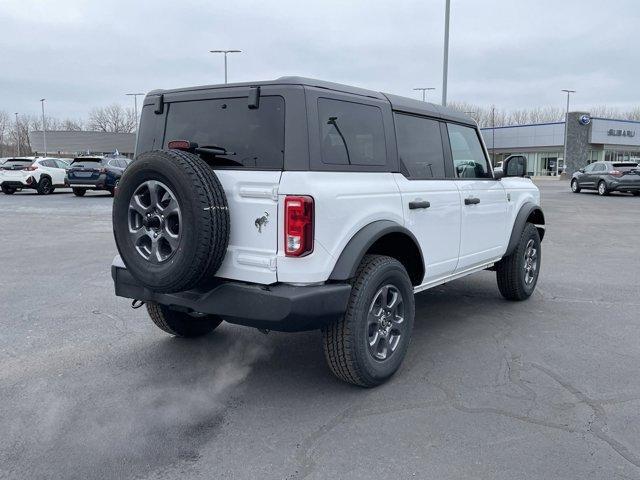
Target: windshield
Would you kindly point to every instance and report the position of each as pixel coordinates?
(252, 138)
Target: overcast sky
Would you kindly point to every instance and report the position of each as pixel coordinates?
(512, 53)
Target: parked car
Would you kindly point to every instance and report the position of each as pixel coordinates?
(607, 177)
(327, 214)
(43, 174)
(96, 173)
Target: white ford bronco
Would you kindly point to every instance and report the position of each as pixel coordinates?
(298, 204)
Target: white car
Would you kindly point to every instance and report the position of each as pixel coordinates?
(43, 174)
(327, 214)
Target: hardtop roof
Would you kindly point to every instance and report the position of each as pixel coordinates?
(397, 102)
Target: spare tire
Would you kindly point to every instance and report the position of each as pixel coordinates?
(170, 220)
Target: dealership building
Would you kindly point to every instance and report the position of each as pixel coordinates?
(588, 140)
(73, 143)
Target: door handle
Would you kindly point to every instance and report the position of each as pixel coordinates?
(418, 204)
(471, 201)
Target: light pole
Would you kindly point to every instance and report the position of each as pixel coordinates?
(17, 134)
(445, 62)
(44, 127)
(566, 127)
(135, 104)
(226, 52)
(424, 91)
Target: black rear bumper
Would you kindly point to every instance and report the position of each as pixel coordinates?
(279, 307)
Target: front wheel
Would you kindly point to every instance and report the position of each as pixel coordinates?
(517, 273)
(602, 189)
(368, 344)
(181, 324)
(575, 188)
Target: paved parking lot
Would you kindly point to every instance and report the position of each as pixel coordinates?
(548, 388)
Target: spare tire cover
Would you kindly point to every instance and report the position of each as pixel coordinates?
(170, 220)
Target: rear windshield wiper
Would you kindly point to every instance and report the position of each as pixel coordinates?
(213, 150)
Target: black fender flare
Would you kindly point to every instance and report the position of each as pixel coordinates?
(352, 254)
(525, 212)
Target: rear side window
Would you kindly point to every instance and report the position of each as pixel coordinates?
(468, 156)
(419, 147)
(255, 137)
(351, 133)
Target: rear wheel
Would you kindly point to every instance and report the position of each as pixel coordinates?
(602, 188)
(79, 192)
(45, 187)
(636, 193)
(517, 273)
(8, 190)
(181, 324)
(368, 344)
(575, 188)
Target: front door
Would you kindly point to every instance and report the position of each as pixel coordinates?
(483, 200)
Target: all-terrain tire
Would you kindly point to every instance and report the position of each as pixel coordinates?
(510, 271)
(45, 187)
(79, 192)
(345, 340)
(181, 324)
(204, 230)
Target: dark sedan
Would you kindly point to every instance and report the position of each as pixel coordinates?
(607, 177)
(95, 173)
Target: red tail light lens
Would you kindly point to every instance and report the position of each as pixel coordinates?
(31, 168)
(298, 225)
(179, 145)
(103, 170)
(615, 173)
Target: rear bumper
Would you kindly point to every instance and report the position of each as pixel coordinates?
(279, 307)
(29, 182)
(100, 183)
(622, 187)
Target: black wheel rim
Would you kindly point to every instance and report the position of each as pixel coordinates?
(46, 185)
(385, 322)
(155, 221)
(530, 262)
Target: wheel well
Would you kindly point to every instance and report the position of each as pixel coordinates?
(537, 218)
(404, 249)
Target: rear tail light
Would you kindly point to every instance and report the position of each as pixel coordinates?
(103, 170)
(31, 168)
(298, 225)
(615, 173)
(179, 145)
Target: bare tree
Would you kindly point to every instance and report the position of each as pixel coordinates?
(113, 118)
(4, 130)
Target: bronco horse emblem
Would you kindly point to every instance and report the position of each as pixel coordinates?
(262, 222)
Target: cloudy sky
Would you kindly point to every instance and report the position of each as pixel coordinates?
(512, 53)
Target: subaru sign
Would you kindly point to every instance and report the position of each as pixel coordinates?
(584, 119)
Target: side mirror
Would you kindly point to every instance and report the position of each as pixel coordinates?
(581, 170)
(515, 167)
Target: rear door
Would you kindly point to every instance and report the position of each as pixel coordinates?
(249, 172)
(483, 199)
(430, 200)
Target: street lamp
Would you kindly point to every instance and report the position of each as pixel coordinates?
(135, 104)
(17, 134)
(445, 62)
(44, 128)
(424, 92)
(226, 52)
(566, 127)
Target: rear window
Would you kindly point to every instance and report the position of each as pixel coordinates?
(625, 167)
(17, 163)
(255, 137)
(86, 163)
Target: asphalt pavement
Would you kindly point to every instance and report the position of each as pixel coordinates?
(542, 389)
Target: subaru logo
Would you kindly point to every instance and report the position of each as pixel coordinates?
(584, 120)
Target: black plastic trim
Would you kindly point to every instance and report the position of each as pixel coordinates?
(347, 264)
(280, 307)
(518, 226)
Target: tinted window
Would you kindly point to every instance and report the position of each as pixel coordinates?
(419, 146)
(48, 163)
(61, 164)
(86, 163)
(589, 167)
(255, 137)
(351, 133)
(600, 167)
(17, 163)
(468, 156)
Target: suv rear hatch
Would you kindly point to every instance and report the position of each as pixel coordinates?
(247, 153)
(85, 169)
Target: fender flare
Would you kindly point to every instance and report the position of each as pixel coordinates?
(352, 254)
(526, 210)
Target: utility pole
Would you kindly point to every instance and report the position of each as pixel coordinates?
(17, 135)
(135, 104)
(424, 92)
(445, 62)
(566, 129)
(44, 128)
(493, 134)
(226, 52)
